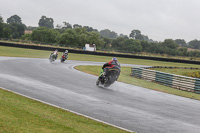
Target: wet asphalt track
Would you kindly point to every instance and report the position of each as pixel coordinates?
(131, 107)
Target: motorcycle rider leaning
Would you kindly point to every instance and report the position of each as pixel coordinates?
(65, 53)
(64, 56)
(111, 64)
(55, 53)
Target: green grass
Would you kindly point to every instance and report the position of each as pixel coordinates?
(21, 52)
(183, 72)
(126, 78)
(19, 114)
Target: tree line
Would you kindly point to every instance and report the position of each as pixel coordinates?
(77, 36)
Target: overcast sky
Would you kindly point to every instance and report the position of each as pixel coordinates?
(158, 19)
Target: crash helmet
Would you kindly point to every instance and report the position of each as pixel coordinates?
(114, 59)
(66, 51)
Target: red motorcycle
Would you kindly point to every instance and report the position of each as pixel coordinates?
(63, 58)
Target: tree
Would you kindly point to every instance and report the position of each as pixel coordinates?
(107, 43)
(94, 38)
(169, 43)
(155, 48)
(26, 37)
(145, 38)
(79, 37)
(134, 33)
(17, 30)
(77, 26)
(14, 19)
(118, 43)
(6, 31)
(67, 25)
(145, 45)
(31, 28)
(68, 38)
(132, 45)
(122, 35)
(182, 51)
(1, 19)
(127, 45)
(109, 34)
(194, 44)
(139, 37)
(46, 22)
(44, 35)
(58, 26)
(90, 29)
(181, 42)
(15, 27)
(1, 26)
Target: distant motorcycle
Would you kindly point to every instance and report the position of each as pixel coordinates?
(63, 58)
(52, 57)
(109, 78)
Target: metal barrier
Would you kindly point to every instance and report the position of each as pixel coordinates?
(171, 80)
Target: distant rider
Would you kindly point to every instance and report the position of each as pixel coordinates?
(55, 53)
(66, 54)
(109, 65)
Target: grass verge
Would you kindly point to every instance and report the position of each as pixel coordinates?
(126, 78)
(184, 72)
(21, 52)
(25, 42)
(20, 114)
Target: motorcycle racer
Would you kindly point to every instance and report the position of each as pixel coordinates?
(65, 53)
(55, 53)
(113, 64)
(64, 56)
